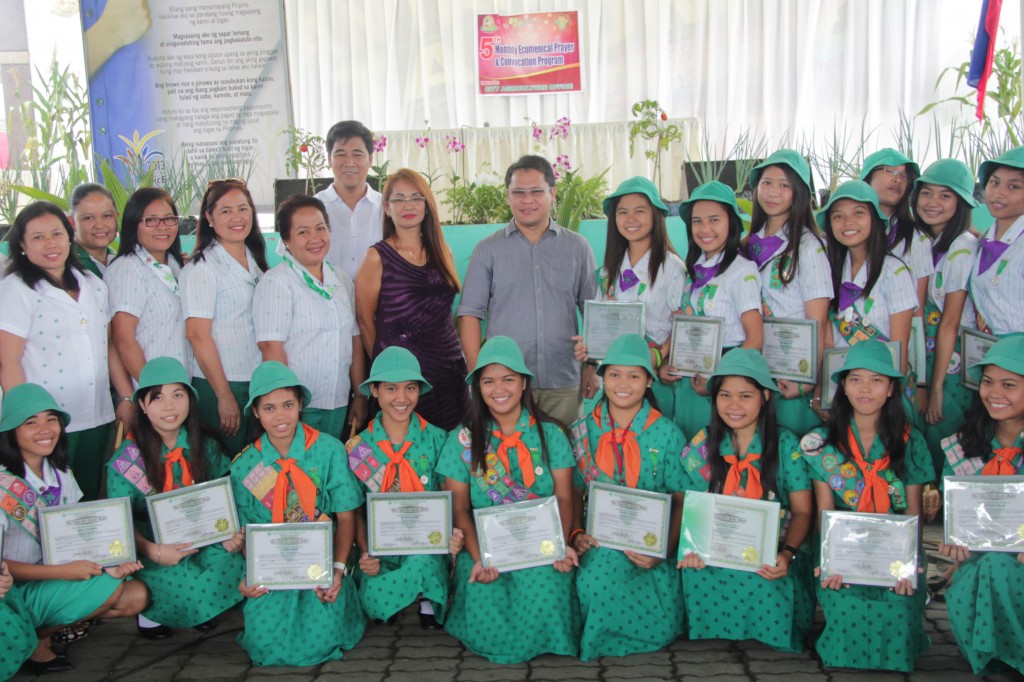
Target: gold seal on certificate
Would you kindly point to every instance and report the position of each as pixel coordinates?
(973, 346)
(605, 321)
(401, 524)
(100, 532)
(520, 535)
(628, 519)
(730, 532)
(289, 556)
(202, 514)
(696, 344)
(868, 549)
(791, 348)
(832, 361)
(983, 513)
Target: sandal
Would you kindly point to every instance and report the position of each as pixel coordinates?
(72, 633)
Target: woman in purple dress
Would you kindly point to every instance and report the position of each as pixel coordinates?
(404, 294)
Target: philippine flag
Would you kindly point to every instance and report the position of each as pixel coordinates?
(984, 48)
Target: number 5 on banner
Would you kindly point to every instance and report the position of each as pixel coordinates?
(486, 49)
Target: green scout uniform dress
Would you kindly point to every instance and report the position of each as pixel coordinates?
(627, 609)
(200, 586)
(867, 626)
(401, 578)
(723, 603)
(527, 612)
(986, 597)
(19, 635)
(293, 627)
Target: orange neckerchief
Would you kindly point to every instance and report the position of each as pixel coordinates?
(875, 496)
(398, 465)
(1002, 463)
(737, 466)
(522, 453)
(303, 485)
(176, 455)
(624, 439)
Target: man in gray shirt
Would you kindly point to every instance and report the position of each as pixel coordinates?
(528, 280)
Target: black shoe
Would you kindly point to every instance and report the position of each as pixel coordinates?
(428, 622)
(60, 664)
(154, 633)
(208, 626)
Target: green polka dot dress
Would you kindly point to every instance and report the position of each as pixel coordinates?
(19, 634)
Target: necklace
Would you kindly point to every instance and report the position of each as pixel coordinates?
(417, 257)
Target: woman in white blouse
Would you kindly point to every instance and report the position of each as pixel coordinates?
(217, 287)
(53, 332)
(142, 282)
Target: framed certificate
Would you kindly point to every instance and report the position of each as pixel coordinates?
(101, 532)
(868, 549)
(973, 346)
(520, 535)
(203, 514)
(628, 519)
(916, 351)
(289, 556)
(399, 524)
(730, 532)
(605, 321)
(696, 344)
(791, 348)
(985, 513)
(834, 359)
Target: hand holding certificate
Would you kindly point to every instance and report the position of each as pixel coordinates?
(100, 532)
(520, 535)
(868, 549)
(605, 321)
(791, 348)
(730, 532)
(402, 524)
(628, 519)
(202, 514)
(289, 556)
(696, 344)
(985, 513)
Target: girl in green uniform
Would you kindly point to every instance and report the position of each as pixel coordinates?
(629, 602)
(293, 473)
(168, 448)
(870, 460)
(397, 453)
(743, 452)
(987, 590)
(16, 624)
(34, 473)
(508, 451)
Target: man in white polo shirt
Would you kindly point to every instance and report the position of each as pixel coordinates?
(353, 207)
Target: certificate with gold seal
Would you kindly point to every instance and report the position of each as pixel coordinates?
(791, 348)
(868, 549)
(101, 532)
(202, 514)
(289, 556)
(985, 513)
(605, 321)
(520, 535)
(730, 532)
(629, 519)
(696, 345)
(400, 524)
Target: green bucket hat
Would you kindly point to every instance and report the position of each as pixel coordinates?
(1007, 353)
(871, 355)
(25, 400)
(160, 371)
(636, 185)
(888, 157)
(857, 190)
(629, 350)
(783, 157)
(395, 364)
(746, 362)
(271, 376)
(712, 191)
(1014, 158)
(953, 174)
(500, 350)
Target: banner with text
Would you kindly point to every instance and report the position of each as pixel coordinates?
(192, 89)
(528, 54)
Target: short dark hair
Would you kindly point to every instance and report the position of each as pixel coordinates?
(287, 208)
(344, 130)
(134, 210)
(82, 191)
(531, 162)
(30, 273)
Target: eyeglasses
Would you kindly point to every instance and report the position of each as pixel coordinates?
(533, 193)
(153, 221)
(415, 200)
(895, 173)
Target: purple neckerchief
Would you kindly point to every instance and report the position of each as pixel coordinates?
(937, 256)
(763, 249)
(627, 280)
(893, 231)
(848, 293)
(702, 274)
(51, 494)
(991, 250)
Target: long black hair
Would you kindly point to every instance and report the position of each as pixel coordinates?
(767, 426)
(616, 246)
(30, 273)
(732, 242)
(800, 220)
(905, 223)
(877, 247)
(978, 430)
(892, 425)
(957, 225)
(151, 444)
(134, 211)
(205, 235)
(10, 453)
